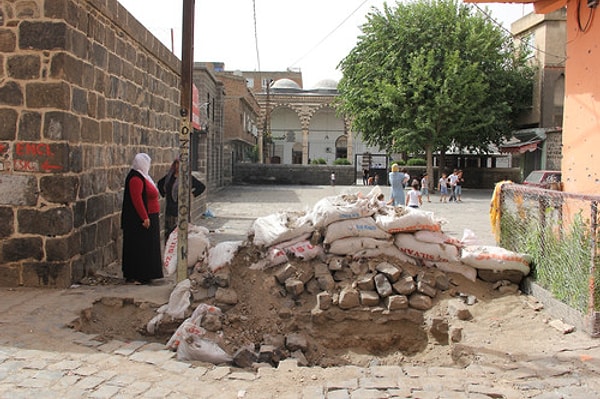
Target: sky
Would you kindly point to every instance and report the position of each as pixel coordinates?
(274, 35)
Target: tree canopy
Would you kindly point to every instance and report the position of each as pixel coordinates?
(430, 74)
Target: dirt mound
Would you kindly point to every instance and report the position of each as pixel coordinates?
(266, 313)
(260, 311)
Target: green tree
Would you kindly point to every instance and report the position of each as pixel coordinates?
(432, 74)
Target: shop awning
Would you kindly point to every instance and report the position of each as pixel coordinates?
(521, 147)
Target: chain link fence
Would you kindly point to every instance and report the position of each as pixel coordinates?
(560, 231)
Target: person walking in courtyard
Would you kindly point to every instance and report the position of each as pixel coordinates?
(397, 180)
(141, 261)
(443, 188)
(458, 186)
(425, 187)
(332, 178)
(413, 196)
(365, 177)
(452, 185)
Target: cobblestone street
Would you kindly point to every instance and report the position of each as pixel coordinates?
(41, 358)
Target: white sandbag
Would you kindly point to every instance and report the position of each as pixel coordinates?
(222, 254)
(152, 326)
(408, 244)
(194, 347)
(185, 329)
(469, 238)
(274, 256)
(202, 310)
(495, 258)
(179, 300)
(352, 245)
(467, 271)
(391, 251)
(198, 244)
(402, 220)
(289, 243)
(170, 256)
(363, 227)
(436, 237)
(304, 250)
(278, 227)
(340, 207)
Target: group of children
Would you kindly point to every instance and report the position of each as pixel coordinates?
(450, 188)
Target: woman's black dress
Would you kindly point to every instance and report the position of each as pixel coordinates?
(141, 246)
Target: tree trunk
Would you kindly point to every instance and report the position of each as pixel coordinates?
(429, 157)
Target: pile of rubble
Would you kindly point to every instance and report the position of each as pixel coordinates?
(351, 274)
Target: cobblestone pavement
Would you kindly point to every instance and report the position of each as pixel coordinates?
(41, 358)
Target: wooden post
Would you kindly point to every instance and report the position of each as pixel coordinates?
(183, 193)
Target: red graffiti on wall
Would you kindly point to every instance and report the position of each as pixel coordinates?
(35, 157)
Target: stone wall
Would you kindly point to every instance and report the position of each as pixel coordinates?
(553, 150)
(244, 173)
(83, 87)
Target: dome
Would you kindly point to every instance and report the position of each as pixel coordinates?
(285, 84)
(326, 84)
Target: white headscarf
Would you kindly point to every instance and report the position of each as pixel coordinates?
(141, 163)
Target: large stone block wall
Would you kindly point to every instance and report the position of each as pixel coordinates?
(83, 88)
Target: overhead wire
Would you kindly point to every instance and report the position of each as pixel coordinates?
(533, 47)
(329, 34)
(256, 35)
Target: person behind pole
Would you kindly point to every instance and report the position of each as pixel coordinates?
(413, 196)
(141, 261)
(365, 177)
(169, 188)
(397, 180)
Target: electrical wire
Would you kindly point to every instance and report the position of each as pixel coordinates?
(329, 34)
(256, 35)
(588, 23)
(533, 47)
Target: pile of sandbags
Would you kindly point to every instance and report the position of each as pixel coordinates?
(362, 227)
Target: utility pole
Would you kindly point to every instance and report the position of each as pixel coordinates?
(266, 125)
(183, 193)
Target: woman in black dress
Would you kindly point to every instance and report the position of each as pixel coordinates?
(140, 224)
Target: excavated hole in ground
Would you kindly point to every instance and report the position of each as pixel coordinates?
(265, 313)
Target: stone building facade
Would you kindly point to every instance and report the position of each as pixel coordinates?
(83, 88)
(241, 115)
(297, 125)
(208, 145)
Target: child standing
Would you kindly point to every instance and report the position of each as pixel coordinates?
(443, 188)
(413, 197)
(425, 187)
